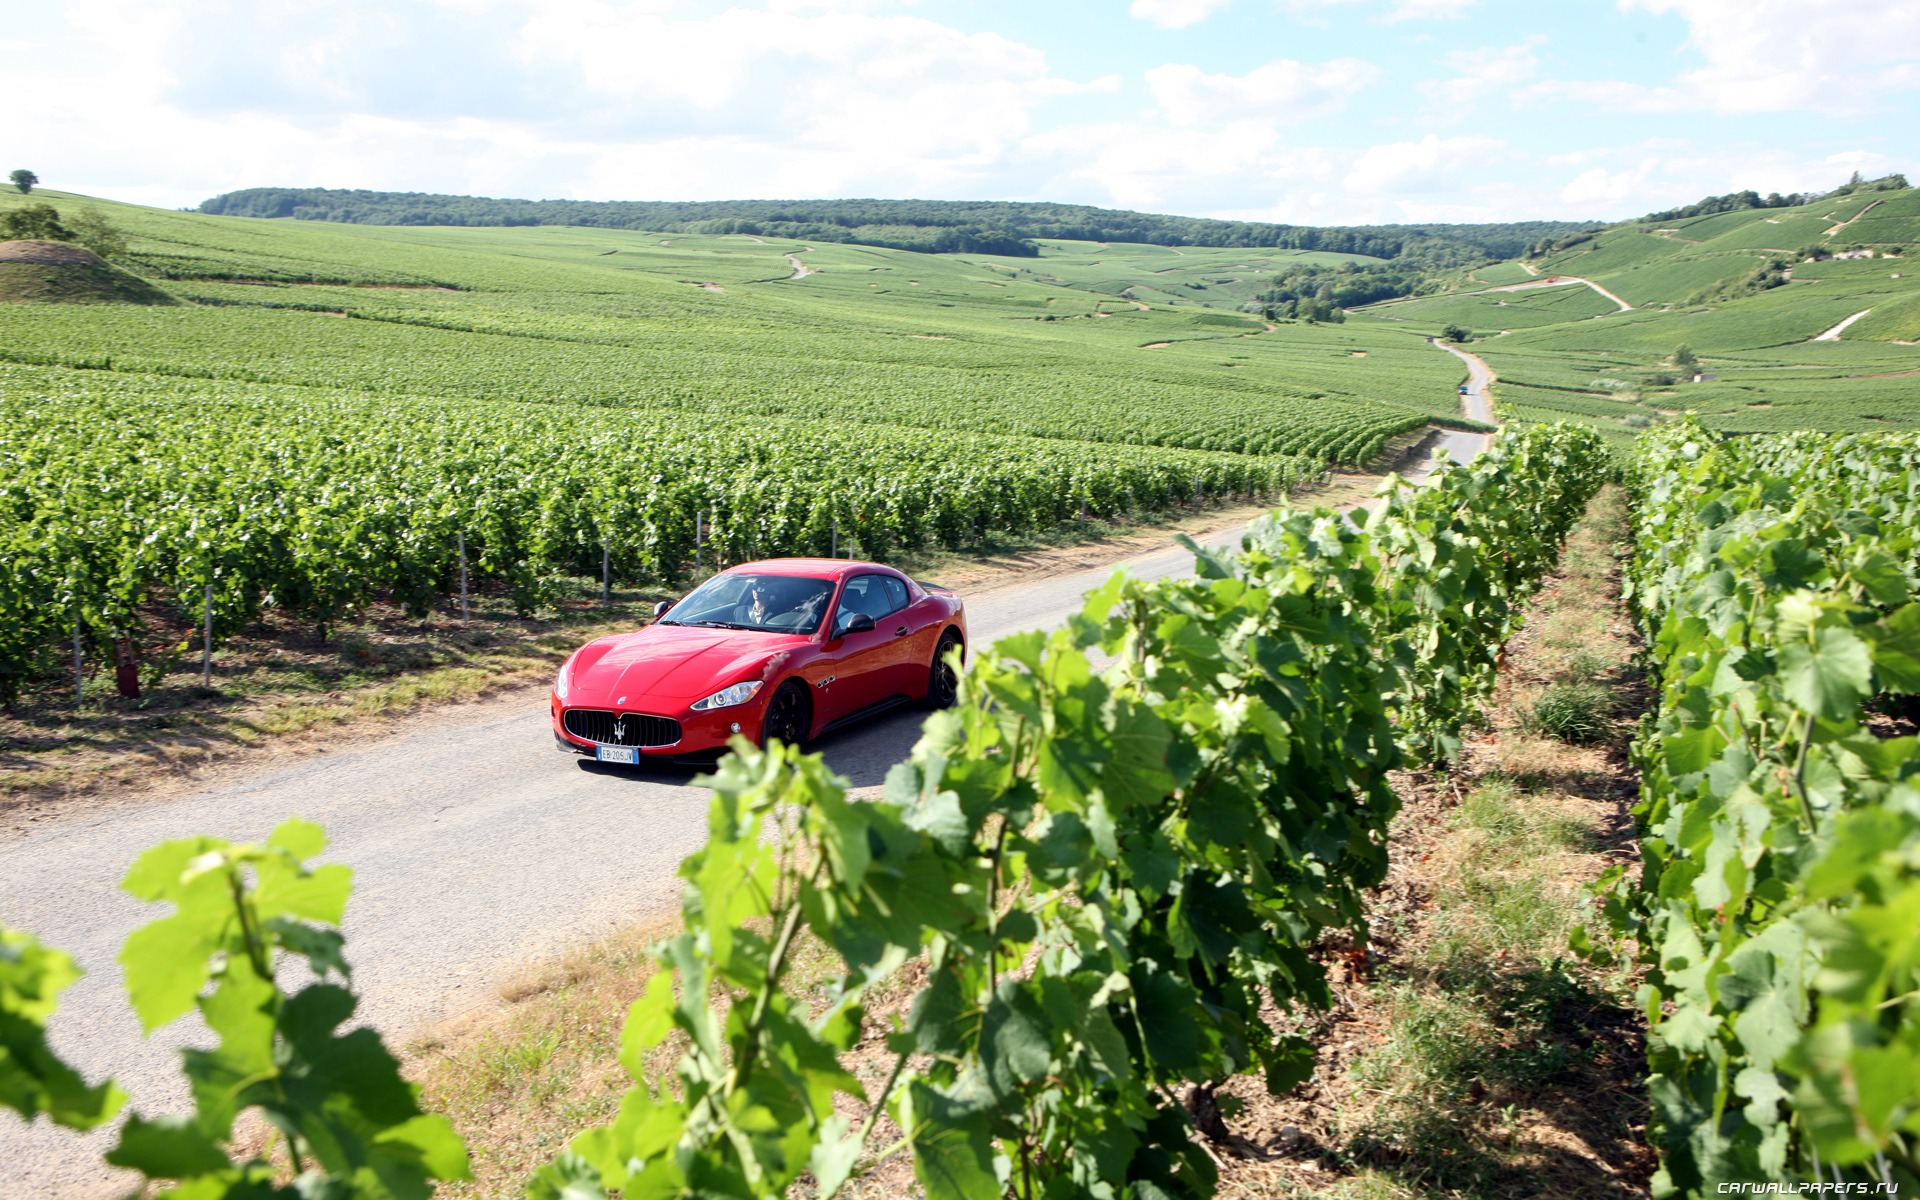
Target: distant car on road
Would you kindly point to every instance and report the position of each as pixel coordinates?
(789, 648)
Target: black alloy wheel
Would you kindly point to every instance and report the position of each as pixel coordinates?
(943, 685)
(786, 717)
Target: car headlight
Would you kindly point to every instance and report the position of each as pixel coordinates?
(560, 684)
(739, 693)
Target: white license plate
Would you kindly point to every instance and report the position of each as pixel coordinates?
(618, 754)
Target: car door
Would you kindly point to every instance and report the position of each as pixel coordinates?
(924, 619)
(913, 643)
(861, 666)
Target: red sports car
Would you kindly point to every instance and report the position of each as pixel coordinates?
(785, 649)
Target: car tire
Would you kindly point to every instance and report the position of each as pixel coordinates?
(789, 716)
(943, 685)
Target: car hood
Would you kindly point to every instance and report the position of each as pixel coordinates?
(670, 665)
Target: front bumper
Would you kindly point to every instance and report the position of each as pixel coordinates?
(703, 735)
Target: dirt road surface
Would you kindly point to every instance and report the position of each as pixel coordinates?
(475, 847)
(1553, 281)
(1833, 335)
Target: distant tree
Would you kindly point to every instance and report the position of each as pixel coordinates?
(98, 234)
(1457, 333)
(24, 180)
(40, 222)
(1683, 356)
(1661, 379)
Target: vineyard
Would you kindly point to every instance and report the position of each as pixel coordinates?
(341, 415)
(125, 490)
(1778, 906)
(1750, 292)
(624, 320)
(1093, 882)
(1115, 879)
(1097, 879)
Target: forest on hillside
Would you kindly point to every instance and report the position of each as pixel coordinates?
(937, 226)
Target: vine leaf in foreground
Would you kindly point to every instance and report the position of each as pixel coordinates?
(351, 1127)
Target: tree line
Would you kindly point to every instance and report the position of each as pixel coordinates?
(938, 226)
(1737, 201)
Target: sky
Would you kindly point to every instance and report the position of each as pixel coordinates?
(1298, 111)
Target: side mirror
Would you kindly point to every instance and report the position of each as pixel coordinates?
(661, 609)
(857, 623)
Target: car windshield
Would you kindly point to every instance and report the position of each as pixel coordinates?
(774, 603)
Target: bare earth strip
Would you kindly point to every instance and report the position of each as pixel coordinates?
(1836, 230)
(1558, 281)
(1833, 335)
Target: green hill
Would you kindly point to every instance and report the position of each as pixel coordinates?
(39, 272)
(939, 226)
(340, 414)
(728, 325)
(1755, 292)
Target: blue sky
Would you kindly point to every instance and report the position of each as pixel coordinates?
(1308, 111)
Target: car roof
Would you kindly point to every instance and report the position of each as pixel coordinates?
(817, 568)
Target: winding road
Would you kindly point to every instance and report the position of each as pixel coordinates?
(475, 846)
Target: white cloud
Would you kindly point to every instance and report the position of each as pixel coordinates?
(1485, 71)
(1428, 10)
(169, 102)
(1176, 14)
(1661, 172)
(1829, 56)
(1282, 90)
(1599, 189)
(531, 97)
(1431, 164)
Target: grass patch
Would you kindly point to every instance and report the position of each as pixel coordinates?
(520, 1080)
(1575, 713)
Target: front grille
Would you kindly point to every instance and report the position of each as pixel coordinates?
(635, 729)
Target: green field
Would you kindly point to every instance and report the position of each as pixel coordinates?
(330, 412)
(329, 409)
(715, 324)
(1567, 353)
(1494, 311)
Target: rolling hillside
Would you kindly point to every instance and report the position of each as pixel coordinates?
(1801, 317)
(335, 416)
(730, 324)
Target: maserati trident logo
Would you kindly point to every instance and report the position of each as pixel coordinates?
(620, 730)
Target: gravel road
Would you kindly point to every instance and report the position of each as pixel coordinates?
(475, 846)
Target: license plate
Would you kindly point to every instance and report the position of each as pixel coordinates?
(618, 754)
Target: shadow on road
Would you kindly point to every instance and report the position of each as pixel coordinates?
(863, 754)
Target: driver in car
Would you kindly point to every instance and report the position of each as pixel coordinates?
(759, 607)
(766, 607)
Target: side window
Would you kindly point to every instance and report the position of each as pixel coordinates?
(863, 594)
(896, 593)
(867, 594)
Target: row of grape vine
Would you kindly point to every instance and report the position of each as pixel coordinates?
(116, 495)
(1777, 908)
